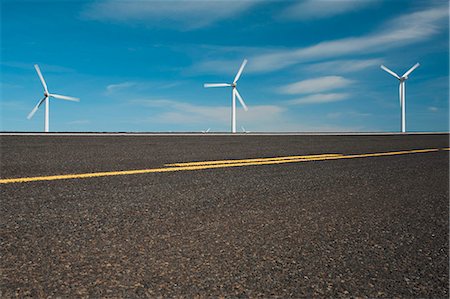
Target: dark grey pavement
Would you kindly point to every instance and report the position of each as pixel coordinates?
(374, 227)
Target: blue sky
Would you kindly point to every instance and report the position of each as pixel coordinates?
(314, 66)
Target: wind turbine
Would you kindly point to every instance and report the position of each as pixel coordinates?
(402, 80)
(234, 94)
(47, 96)
(206, 131)
(243, 130)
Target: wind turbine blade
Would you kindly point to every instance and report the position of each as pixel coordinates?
(216, 85)
(411, 70)
(238, 75)
(57, 96)
(240, 100)
(36, 108)
(390, 72)
(41, 77)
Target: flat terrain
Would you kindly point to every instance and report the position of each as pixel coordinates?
(374, 226)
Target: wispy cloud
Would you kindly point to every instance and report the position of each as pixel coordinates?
(260, 118)
(316, 85)
(183, 14)
(14, 105)
(187, 114)
(79, 122)
(405, 30)
(433, 109)
(319, 9)
(219, 66)
(45, 68)
(112, 88)
(319, 98)
(5, 85)
(139, 86)
(344, 65)
(345, 114)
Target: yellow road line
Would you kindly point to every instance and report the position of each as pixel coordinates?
(250, 160)
(209, 166)
(392, 153)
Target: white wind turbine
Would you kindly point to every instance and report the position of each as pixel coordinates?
(234, 93)
(402, 80)
(46, 98)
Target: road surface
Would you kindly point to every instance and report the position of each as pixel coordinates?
(276, 216)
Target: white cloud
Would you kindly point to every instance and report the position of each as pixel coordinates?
(15, 105)
(79, 122)
(404, 30)
(346, 114)
(45, 68)
(316, 85)
(153, 102)
(344, 65)
(184, 14)
(318, 9)
(261, 118)
(433, 109)
(112, 88)
(139, 86)
(188, 114)
(225, 67)
(319, 98)
(6, 85)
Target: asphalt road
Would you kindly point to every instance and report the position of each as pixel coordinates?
(369, 226)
